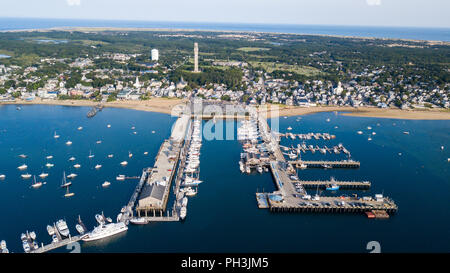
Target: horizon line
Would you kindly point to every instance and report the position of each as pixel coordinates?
(231, 23)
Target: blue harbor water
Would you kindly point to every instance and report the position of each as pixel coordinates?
(223, 217)
(416, 33)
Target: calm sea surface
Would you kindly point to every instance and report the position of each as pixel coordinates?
(223, 217)
(436, 34)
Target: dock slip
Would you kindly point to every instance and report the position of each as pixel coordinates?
(342, 184)
(155, 191)
(61, 243)
(324, 164)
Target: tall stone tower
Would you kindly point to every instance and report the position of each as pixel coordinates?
(196, 58)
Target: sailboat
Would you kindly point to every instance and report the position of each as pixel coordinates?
(36, 184)
(55, 135)
(64, 182)
(130, 154)
(68, 194)
(90, 154)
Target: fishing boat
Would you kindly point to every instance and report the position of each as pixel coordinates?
(138, 221)
(36, 184)
(50, 230)
(332, 187)
(77, 166)
(64, 181)
(98, 166)
(188, 183)
(120, 177)
(104, 231)
(106, 184)
(26, 176)
(32, 235)
(49, 157)
(68, 143)
(55, 135)
(22, 167)
(123, 163)
(49, 165)
(62, 227)
(72, 159)
(90, 154)
(68, 194)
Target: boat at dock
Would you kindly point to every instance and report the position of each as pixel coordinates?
(104, 231)
(183, 212)
(100, 219)
(138, 221)
(62, 228)
(50, 230)
(190, 192)
(80, 229)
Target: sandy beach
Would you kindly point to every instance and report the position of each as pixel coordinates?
(160, 105)
(166, 106)
(429, 114)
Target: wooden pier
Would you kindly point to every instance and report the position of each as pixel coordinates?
(361, 185)
(60, 243)
(325, 163)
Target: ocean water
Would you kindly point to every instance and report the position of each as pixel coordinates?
(435, 34)
(223, 217)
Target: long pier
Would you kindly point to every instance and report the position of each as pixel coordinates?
(60, 243)
(364, 185)
(325, 163)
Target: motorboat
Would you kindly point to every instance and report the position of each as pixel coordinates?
(43, 175)
(22, 167)
(100, 219)
(98, 166)
(50, 230)
(104, 231)
(138, 221)
(120, 177)
(62, 227)
(68, 143)
(80, 229)
(77, 166)
(49, 157)
(106, 184)
(72, 175)
(72, 159)
(123, 163)
(49, 165)
(26, 176)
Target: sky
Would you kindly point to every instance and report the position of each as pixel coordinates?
(415, 13)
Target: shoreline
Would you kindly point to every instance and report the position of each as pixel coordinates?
(166, 106)
(96, 29)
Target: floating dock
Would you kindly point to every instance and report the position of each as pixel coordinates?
(61, 243)
(324, 163)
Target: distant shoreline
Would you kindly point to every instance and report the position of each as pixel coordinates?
(93, 29)
(165, 106)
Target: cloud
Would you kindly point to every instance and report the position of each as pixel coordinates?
(73, 2)
(373, 2)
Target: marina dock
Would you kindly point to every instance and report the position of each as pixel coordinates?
(61, 243)
(326, 163)
(361, 185)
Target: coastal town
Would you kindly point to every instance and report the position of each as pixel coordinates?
(118, 76)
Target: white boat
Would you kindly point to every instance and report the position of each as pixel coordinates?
(50, 230)
(23, 156)
(100, 219)
(2, 176)
(69, 143)
(153, 132)
(130, 154)
(72, 159)
(72, 175)
(145, 153)
(43, 175)
(369, 139)
(55, 135)
(98, 166)
(26, 246)
(260, 169)
(99, 142)
(3, 244)
(138, 221)
(123, 163)
(303, 166)
(62, 227)
(68, 194)
(55, 238)
(22, 167)
(190, 192)
(106, 184)
(90, 154)
(80, 128)
(187, 183)
(110, 156)
(120, 177)
(64, 182)
(77, 166)
(360, 132)
(328, 120)
(183, 212)
(109, 125)
(26, 176)
(103, 231)
(49, 157)
(49, 165)
(80, 229)
(36, 184)
(369, 128)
